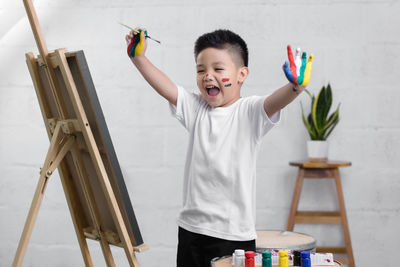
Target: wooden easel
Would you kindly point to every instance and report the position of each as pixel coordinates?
(68, 137)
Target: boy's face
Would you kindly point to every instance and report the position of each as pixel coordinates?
(218, 77)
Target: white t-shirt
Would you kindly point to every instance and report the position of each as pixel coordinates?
(219, 188)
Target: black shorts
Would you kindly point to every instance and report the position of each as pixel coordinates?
(196, 250)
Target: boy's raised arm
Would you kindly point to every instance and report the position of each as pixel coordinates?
(281, 97)
(137, 45)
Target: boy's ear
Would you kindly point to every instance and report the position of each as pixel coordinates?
(243, 73)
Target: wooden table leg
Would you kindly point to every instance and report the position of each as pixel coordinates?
(345, 225)
(295, 199)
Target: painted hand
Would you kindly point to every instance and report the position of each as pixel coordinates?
(137, 43)
(299, 70)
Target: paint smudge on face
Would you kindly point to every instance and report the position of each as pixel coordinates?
(225, 79)
(207, 75)
(228, 85)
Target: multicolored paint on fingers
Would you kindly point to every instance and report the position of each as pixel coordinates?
(287, 72)
(297, 60)
(307, 72)
(300, 78)
(135, 47)
(292, 64)
(298, 71)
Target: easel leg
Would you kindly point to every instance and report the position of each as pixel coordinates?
(76, 214)
(89, 196)
(30, 221)
(295, 200)
(105, 247)
(38, 197)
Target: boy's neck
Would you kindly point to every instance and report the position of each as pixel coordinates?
(230, 102)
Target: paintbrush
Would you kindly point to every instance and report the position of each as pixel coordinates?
(138, 32)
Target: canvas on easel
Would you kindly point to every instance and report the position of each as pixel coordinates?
(82, 150)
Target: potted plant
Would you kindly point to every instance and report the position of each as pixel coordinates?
(319, 125)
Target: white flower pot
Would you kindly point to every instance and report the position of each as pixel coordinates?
(317, 151)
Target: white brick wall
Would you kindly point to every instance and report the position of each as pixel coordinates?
(356, 46)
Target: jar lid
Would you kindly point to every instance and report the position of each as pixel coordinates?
(283, 253)
(239, 252)
(305, 254)
(266, 254)
(249, 254)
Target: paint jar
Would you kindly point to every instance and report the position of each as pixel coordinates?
(249, 261)
(305, 259)
(296, 258)
(266, 259)
(283, 258)
(239, 258)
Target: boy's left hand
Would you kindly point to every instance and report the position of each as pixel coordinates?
(299, 71)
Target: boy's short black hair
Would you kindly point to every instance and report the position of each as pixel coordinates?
(223, 39)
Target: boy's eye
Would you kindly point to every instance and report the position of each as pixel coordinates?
(219, 69)
(199, 71)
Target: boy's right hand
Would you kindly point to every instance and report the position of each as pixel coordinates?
(137, 43)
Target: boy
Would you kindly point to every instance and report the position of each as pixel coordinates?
(225, 131)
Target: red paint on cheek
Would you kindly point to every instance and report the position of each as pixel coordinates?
(225, 79)
(207, 75)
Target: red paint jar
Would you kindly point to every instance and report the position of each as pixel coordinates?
(249, 261)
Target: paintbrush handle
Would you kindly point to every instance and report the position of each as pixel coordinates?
(139, 32)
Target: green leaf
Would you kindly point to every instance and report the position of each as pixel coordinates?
(309, 118)
(314, 111)
(306, 123)
(332, 118)
(333, 127)
(308, 92)
(321, 108)
(327, 104)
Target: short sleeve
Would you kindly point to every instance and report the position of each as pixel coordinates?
(259, 119)
(186, 107)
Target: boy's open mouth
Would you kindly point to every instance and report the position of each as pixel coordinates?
(212, 90)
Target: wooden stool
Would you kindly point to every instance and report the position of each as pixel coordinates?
(329, 169)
